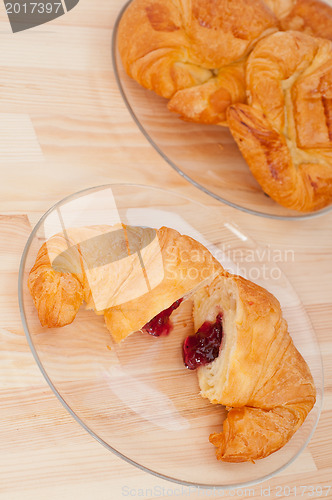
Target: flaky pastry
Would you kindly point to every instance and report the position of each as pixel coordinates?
(129, 274)
(258, 375)
(193, 51)
(285, 130)
(310, 16)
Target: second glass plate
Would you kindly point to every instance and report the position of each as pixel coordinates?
(205, 155)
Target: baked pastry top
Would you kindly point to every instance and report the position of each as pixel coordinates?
(285, 130)
(258, 375)
(129, 274)
(192, 51)
(310, 16)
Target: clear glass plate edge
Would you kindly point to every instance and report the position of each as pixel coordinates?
(79, 420)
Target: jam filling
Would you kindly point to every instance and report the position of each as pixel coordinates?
(203, 347)
(161, 324)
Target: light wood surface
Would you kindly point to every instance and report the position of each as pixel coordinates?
(64, 127)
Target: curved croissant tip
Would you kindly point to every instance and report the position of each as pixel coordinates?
(214, 438)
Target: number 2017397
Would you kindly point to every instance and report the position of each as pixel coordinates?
(33, 7)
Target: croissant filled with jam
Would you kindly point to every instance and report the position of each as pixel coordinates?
(137, 276)
(256, 371)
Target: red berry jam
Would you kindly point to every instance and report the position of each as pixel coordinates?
(161, 324)
(203, 347)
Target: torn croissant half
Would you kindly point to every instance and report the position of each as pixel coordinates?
(134, 276)
(258, 375)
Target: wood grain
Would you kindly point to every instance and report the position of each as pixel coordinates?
(68, 129)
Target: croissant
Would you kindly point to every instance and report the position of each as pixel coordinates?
(258, 374)
(193, 52)
(310, 16)
(131, 275)
(285, 130)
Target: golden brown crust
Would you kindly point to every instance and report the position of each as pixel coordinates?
(309, 16)
(259, 373)
(285, 133)
(183, 51)
(56, 295)
(127, 273)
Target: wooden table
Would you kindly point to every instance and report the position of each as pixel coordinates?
(64, 127)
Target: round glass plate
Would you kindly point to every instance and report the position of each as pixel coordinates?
(205, 155)
(137, 398)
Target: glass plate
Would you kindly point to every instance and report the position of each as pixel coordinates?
(137, 398)
(205, 155)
